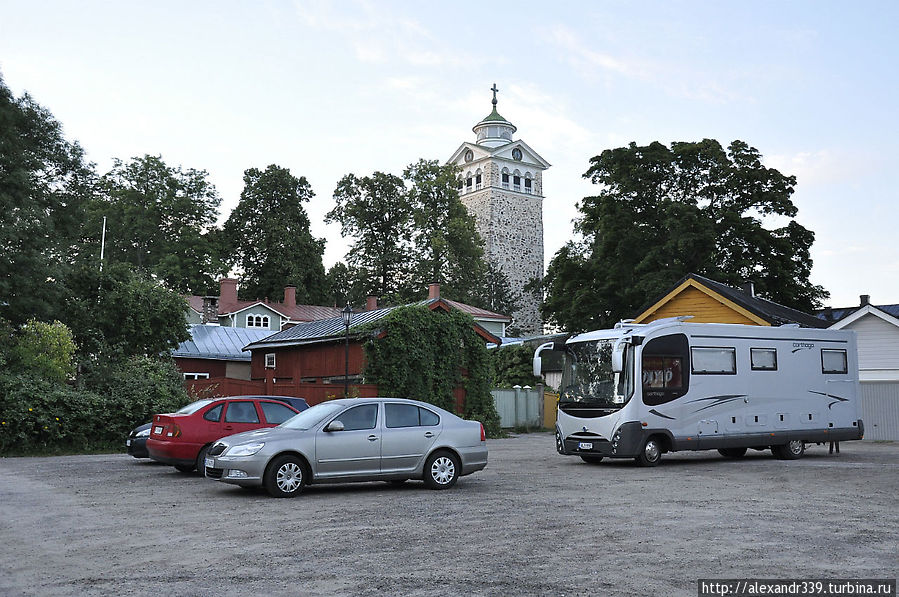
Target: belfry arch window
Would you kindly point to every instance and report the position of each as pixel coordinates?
(528, 184)
(477, 180)
(468, 182)
(516, 181)
(505, 178)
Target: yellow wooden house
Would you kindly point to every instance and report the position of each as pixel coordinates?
(709, 301)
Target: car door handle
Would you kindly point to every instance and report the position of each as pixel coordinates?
(429, 434)
(372, 438)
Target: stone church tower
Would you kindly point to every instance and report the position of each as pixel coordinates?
(502, 187)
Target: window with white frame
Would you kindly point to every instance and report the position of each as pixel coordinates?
(196, 375)
(516, 181)
(270, 360)
(505, 179)
(257, 321)
(477, 180)
(527, 185)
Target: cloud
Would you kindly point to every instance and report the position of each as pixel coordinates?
(825, 166)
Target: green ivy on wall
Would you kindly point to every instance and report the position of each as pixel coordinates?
(417, 353)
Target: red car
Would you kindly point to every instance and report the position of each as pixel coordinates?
(182, 439)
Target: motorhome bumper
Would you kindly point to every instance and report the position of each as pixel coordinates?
(626, 442)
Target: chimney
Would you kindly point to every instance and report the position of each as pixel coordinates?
(210, 312)
(228, 292)
(290, 297)
(371, 303)
(828, 313)
(748, 288)
(433, 291)
(865, 299)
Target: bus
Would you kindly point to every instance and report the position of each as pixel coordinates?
(642, 390)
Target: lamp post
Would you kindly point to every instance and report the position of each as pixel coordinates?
(347, 314)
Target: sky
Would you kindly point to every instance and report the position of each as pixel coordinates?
(330, 88)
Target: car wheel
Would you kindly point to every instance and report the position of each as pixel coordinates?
(201, 460)
(441, 470)
(590, 459)
(285, 477)
(791, 451)
(184, 468)
(732, 452)
(651, 453)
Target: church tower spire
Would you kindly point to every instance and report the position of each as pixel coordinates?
(502, 187)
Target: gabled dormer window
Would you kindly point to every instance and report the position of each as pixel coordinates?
(257, 321)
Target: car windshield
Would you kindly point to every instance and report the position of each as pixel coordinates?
(193, 407)
(587, 377)
(312, 416)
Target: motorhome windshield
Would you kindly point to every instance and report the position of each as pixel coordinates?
(587, 377)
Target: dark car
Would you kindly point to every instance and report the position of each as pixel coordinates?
(137, 439)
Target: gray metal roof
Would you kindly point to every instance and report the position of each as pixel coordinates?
(326, 330)
(219, 342)
(318, 331)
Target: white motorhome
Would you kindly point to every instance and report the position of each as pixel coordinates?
(640, 390)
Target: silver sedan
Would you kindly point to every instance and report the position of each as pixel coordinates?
(356, 439)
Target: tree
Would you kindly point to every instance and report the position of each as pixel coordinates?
(269, 238)
(495, 292)
(45, 350)
(120, 312)
(375, 210)
(448, 248)
(44, 183)
(159, 218)
(345, 285)
(664, 212)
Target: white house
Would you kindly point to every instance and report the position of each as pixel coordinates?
(877, 328)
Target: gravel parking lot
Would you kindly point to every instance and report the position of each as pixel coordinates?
(532, 523)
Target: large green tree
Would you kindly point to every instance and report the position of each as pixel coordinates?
(663, 212)
(269, 239)
(448, 248)
(159, 218)
(120, 313)
(44, 183)
(376, 212)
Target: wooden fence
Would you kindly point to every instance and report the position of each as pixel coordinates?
(313, 393)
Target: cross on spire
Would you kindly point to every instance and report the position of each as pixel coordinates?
(494, 90)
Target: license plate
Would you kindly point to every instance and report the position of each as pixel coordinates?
(585, 446)
(208, 463)
(127, 442)
(157, 430)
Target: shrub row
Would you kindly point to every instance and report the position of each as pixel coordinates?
(41, 416)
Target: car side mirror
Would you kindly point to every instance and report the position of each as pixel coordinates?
(334, 426)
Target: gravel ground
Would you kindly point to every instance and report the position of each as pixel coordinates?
(531, 523)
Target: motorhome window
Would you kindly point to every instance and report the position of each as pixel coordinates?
(588, 379)
(714, 361)
(663, 375)
(763, 359)
(834, 361)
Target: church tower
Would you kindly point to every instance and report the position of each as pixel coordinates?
(502, 187)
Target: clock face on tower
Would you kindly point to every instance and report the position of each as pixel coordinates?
(516, 154)
(469, 155)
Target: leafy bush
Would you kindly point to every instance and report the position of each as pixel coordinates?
(513, 366)
(46, 350)
(42, 416)
(418, 353)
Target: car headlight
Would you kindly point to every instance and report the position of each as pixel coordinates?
(244, 450)
(143, 433)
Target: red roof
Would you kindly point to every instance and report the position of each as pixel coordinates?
(297, 313)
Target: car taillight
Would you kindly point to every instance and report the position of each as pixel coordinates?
(174, 431)
(483, 433)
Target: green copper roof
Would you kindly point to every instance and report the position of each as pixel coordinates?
(494, 117)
